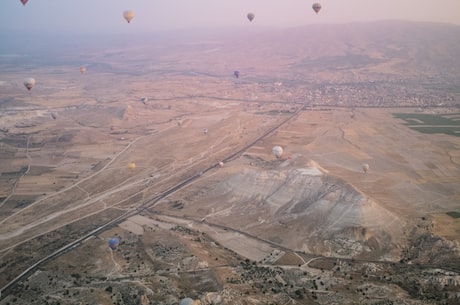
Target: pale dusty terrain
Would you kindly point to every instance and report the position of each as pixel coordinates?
(259, 228)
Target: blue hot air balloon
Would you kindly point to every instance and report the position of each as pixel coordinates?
(236, 73)
(113, 243)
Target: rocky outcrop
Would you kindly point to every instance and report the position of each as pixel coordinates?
(307, 209)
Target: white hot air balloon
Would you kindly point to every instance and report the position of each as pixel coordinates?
(277, 151)
(29, 83)
(187, 301)
(365, 167)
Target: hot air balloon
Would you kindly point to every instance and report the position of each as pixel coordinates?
(24, 2)
(236, 73)
(205, 130)
(277, 151)
(132, 166)
(250, 16)
(365, 167)
(113, 243)
(128, 15)
(82, 69)
(144, 100)
(316, 7)
(187, 301)
(54, 115)
(29, 83)
(221, 164)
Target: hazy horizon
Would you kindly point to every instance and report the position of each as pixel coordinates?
(82, 17)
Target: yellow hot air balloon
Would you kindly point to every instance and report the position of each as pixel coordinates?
(132, 166)
(128, 15)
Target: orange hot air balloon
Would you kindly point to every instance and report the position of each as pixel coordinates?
(82, 69)
(132, 166)
(128, 15)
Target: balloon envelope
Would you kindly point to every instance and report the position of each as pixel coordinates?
(128, 15)
(236, 73)
(113, 243)
(186, 301)
(29, 83)
(24, 1)
(82, 69)
(277, 151)
(250, 16)
(316, 7)
(132, 166)
(365, 167)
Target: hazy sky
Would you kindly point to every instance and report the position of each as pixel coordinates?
(104, 16)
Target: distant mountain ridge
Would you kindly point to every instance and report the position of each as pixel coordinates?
(384, 63)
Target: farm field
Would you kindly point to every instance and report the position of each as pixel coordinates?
(435, 124)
